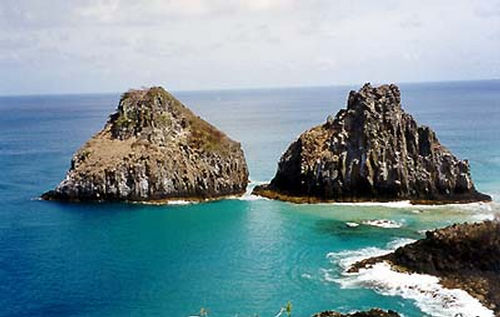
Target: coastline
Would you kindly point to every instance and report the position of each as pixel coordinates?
(137, 241)
(153, 202)
(473, 285)
(265, 191)
(459, 256)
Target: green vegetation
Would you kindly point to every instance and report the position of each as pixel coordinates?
(207, 137)
(288, 308)
(142, 106)
(122, 122)
(134, 94)
(164, 120)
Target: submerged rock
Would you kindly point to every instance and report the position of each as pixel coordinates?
(153, 148)
(372, 150)
(465, 256)
(371, 313)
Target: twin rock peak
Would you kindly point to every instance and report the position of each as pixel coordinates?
(153, 148)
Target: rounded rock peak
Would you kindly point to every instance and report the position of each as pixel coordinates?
(154, 148)
(141, 110)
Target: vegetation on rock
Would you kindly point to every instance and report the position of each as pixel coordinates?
(153, 148)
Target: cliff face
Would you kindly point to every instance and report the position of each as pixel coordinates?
(372, 150)
(464, 256)
(154, 148)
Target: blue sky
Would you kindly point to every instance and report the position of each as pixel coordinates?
(61, 46)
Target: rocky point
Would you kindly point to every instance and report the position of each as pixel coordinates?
(465, 256)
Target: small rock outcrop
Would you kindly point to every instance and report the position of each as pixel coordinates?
(154, 149)
(371, 151)
(465, 256)
(371, 313)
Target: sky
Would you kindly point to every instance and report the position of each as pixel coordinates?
(91, 46)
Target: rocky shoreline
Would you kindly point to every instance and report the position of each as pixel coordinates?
(270, 192)
(371, 313)
(465, 256)
(154, 149)
(371, 151)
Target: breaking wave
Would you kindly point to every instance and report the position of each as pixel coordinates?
(430, 296)
(248, 193)
(383, 223)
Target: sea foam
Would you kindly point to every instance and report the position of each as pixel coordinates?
(430, 296)
(348, 257)
(388, 204)
(180, 202)
(352, 224)
(248, 193)
(383, 223)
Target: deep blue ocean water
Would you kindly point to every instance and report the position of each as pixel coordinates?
(237, 257)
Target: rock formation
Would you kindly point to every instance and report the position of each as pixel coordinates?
(154, 149)
(372, 150)
(463, 256)
(371, 313)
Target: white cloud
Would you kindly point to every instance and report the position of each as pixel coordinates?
(488, 9)
(112, 45)
(101, 10)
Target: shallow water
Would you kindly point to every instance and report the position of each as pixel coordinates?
(233, 257)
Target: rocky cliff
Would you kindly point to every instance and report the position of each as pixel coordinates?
(153, 148)
(373, 150)
(463, 256)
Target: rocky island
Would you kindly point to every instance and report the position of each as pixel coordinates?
(153, 148)
(465, 256)
(371, 151)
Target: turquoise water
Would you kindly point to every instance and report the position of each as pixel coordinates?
(234, 257)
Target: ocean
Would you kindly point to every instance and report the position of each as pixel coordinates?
(236, 257)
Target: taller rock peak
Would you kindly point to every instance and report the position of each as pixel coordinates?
(373, 150)
(380, 99)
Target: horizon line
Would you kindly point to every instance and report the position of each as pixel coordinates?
(248, 88)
